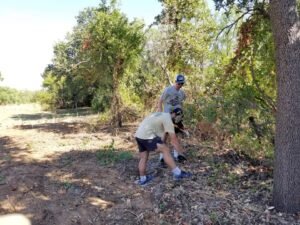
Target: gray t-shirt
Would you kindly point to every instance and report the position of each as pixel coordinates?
(172, 98)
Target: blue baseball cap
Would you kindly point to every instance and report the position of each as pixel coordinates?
(180, 79)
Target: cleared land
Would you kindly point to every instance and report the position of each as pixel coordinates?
(50, 172)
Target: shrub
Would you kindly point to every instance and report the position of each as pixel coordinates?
(109, 155)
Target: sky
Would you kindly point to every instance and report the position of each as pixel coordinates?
(30, 28)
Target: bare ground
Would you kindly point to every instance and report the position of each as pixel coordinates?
(50, 173)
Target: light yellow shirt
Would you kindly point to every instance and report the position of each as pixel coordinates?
(156, 124)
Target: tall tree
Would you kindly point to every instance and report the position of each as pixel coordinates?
(286, 30)
(187, 27)
(115, 44)
(285, 23)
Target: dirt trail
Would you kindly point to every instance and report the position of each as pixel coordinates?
(50, 173)
(49, 170)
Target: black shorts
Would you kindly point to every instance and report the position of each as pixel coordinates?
(148, 144)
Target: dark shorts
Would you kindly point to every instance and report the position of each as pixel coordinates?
(148, 144)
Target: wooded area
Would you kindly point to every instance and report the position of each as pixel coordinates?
(242, 67)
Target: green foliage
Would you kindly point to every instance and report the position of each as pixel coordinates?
(104, 117)
(67, 185)
(249, 145)
(213, 216)
(13, 96)
(109, 155)
(119, 44)
(242, 84)
(179, 43)
(222, 174)
(88, 67)
(101, 100)
(245, 7)
(2, 180)
(46, 99)
(187, 29)
(116, 67)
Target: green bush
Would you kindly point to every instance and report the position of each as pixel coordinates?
(109, 155)
(252, 147)
(46, 99)
(14, 96)
(101, 100)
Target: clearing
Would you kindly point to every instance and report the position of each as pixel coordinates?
(50, 172)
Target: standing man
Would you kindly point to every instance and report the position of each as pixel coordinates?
(171, 98)
(149, 137)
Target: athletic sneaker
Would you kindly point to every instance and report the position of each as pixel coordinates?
(144, 183)
(182, 175)
(181, 158)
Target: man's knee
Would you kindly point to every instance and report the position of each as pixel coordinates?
(144, 155)
(162, 148)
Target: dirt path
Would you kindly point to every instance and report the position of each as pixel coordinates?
(49, 170)
(50, 173)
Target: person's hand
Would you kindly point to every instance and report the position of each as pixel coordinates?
(181, 158)
(186, 133)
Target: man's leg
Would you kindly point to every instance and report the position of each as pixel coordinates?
(169, 160)
(143, 162)
(179, 131)
(144, 179)
(179, 156)
(145, 146)
(164, 149)
(161, 156)
(177, 173)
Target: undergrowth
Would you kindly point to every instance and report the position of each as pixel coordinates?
(109, 155)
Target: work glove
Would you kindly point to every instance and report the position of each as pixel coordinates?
(181, 158)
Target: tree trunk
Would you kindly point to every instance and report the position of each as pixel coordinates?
(286, 31)
(116, 100)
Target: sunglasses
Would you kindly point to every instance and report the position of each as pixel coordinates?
(180, 84)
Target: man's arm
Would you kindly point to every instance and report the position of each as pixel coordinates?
(161, 100)
(175, 143)
(159, 105)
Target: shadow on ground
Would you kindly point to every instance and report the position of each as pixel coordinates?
(74, 188)
(69, 188)
(74, 127)
(60, 113)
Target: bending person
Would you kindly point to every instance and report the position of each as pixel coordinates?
(149, 137)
